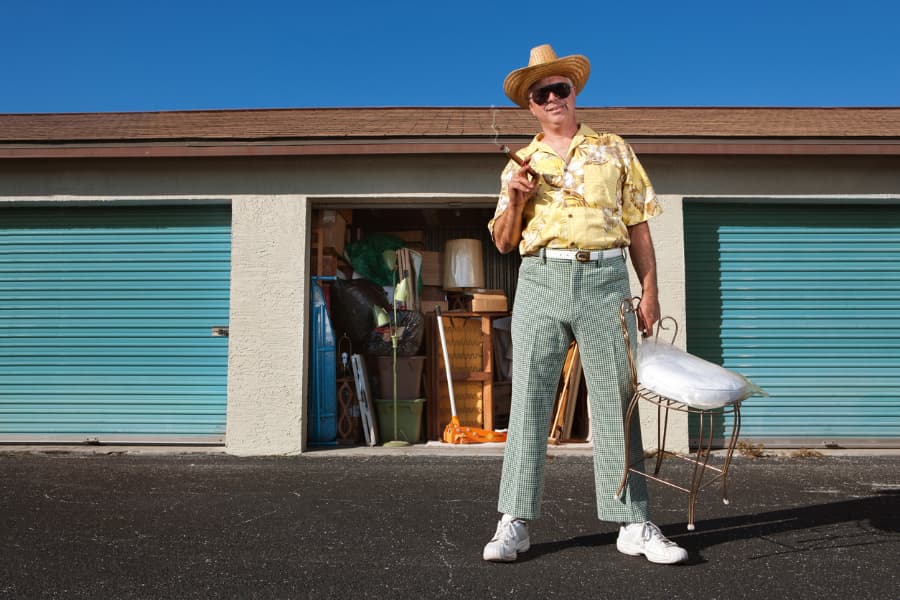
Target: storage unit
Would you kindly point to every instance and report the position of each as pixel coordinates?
(481, 395)
(803, 299)
(106, 323)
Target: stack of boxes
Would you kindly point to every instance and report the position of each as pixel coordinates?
(329, 235)
(432, 277)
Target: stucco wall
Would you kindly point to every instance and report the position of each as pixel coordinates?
(668, 241)
(682, 175)
(271, 199)
(267, 343)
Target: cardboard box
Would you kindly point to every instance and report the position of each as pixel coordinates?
(432, 268)
(325, 265)
(489, 301)
(332, 231)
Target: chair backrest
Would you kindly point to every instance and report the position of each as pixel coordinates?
(630, 306)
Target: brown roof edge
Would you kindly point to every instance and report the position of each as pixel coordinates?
(643, 146)
(391, 123)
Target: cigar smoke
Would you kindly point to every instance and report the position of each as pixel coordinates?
(494, 125)
(505, 149)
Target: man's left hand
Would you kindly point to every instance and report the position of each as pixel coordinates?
(648, 313)
(643, 258)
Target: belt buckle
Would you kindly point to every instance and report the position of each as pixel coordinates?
(583, 256)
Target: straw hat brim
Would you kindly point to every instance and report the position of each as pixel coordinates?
(576, 67)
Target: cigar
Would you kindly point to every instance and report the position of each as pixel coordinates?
(513, 157)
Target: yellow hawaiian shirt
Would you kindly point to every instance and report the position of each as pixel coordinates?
(591, 198)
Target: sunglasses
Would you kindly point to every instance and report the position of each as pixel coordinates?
(541, 95)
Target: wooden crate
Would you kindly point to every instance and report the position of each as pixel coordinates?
(464, 346)
(470, 347)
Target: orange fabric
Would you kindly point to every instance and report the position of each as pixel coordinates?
(455, 433)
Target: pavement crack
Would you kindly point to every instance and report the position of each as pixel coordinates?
(258, 517)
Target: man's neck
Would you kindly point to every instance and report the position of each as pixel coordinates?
(559, 137)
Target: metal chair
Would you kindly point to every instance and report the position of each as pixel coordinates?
(700, 478)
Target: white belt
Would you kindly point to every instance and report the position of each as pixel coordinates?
(583, 255)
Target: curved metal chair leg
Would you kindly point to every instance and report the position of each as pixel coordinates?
(661, 438)
(732, 442)
(704, 447)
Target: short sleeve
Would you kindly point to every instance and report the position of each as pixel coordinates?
(639, 201)
(503, 201)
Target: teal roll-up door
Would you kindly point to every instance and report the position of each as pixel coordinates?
(804, 299)
(105, 323)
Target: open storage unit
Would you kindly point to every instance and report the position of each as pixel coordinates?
(336, 234)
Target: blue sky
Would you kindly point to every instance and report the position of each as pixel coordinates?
(125, 55)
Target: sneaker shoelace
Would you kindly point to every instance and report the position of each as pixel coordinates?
(651, 530)
(505, 532)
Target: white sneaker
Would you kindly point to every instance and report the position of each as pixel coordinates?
(510, 538)
(646, 538)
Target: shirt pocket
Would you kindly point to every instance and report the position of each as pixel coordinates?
(602, 185)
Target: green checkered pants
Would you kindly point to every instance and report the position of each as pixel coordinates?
(557, 300)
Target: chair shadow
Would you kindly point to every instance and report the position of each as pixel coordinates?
(871, 520)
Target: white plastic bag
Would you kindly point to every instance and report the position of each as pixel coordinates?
(676, 374)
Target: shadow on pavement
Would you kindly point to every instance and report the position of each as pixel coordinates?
(845, 524)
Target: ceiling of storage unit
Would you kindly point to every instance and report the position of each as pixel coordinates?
(396, 219)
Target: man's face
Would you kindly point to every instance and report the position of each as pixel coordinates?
(556, 110)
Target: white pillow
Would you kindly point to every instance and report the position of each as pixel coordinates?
(673, 373)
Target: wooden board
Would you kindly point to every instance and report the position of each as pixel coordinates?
(363, 393)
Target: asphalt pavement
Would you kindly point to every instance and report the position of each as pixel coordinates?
(327, 525)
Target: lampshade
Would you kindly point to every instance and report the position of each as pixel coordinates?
(463, 265)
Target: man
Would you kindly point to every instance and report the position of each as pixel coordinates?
(590, 200)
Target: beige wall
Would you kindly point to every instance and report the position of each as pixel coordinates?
(381, 175)
(267, 382)
(271, 200)
(668, 242)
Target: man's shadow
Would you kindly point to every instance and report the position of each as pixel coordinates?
(857, 522)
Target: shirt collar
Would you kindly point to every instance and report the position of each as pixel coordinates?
(583, 132)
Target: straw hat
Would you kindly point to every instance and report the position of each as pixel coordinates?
(544, 63)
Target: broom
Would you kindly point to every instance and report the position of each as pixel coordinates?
(455, 433)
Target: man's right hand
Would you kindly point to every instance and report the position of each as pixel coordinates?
(508, 227)
(521, 187)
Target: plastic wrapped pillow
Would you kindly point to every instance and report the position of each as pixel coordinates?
(671, 372)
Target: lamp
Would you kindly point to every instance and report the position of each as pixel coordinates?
(463, 265)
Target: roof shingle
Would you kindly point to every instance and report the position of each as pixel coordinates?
(470, 123)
